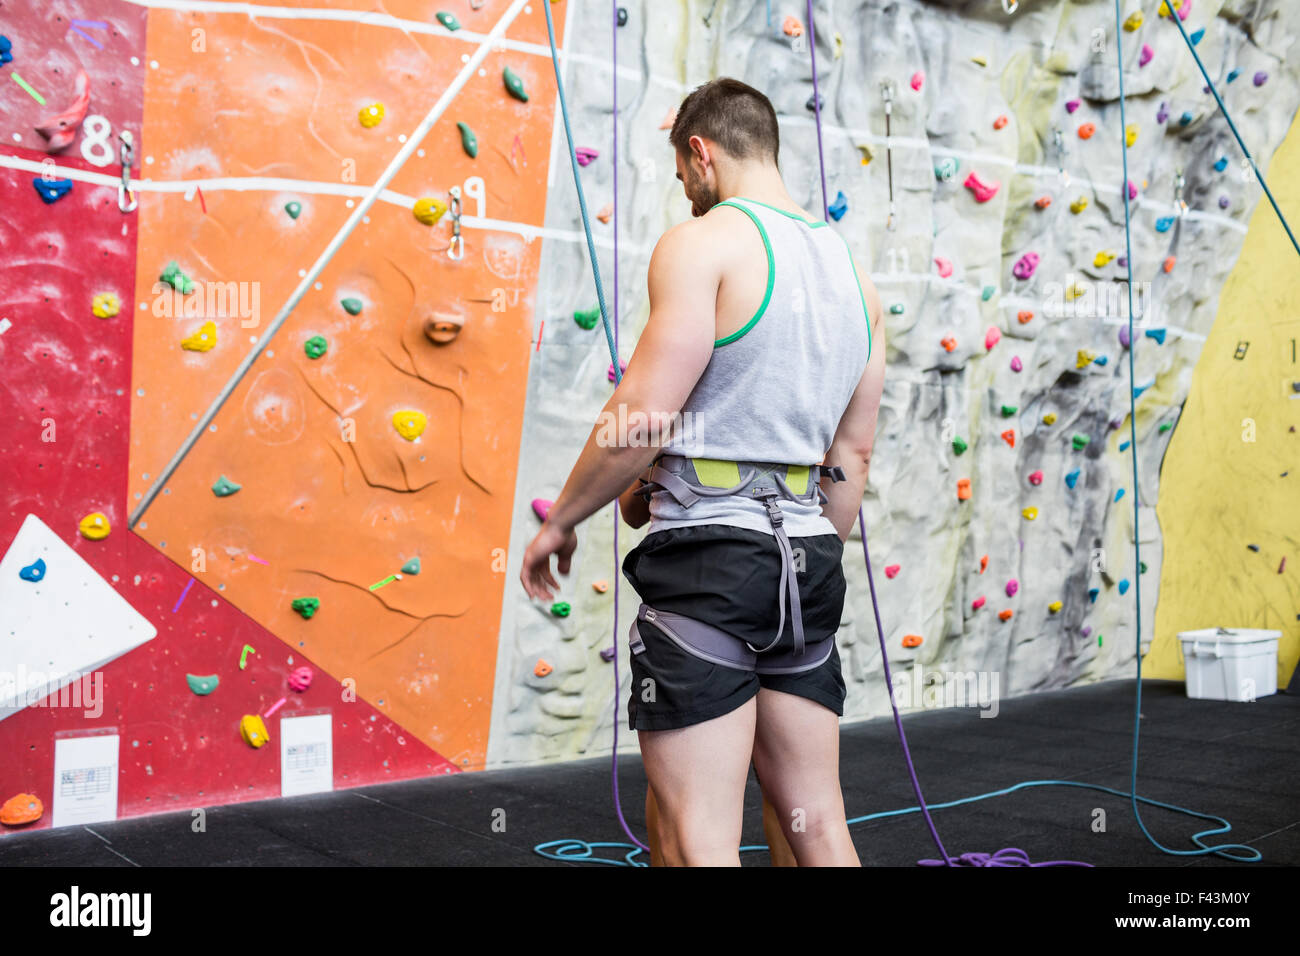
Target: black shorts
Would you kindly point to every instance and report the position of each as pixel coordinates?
(728, 577)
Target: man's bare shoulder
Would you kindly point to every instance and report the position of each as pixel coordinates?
(695, 241)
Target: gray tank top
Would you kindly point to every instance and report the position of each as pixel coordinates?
(775, 390)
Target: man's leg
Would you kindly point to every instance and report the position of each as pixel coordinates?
(697, 775)
(797, 756)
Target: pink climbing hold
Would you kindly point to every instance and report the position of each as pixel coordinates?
(300, 679)
(992, 336)
(1185, 9)
(1036, 478)
(61, 129)
(585, 155)
(918, 78)
(1012, 587)
(1132, 190)
(542, 507)
(1025, 265)
(983, 191)
(892, 570)
(1016, 364)
(976, 604)
(945, 267)
(622, 368)
(1072, 105)
(1146, 55)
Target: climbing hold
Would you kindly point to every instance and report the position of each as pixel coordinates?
(1123, 446)
(1016, 364)
(792, 27)
(105, 305)
(1024, 316)
(1221, 164)
(1000, 122)
(514, 85)
(1079, 205)
(1012, 587)
(1100, 360)
(1162, 114)
(542, 668)
(429, 211)
(52, 190)
(372, 115)
(1186, 118)
(1072, 105)
(944, 266)
(224, 487)
(622, 16)
(352, 306)
(912, 640)
(948, 343)
(1123, 585)
(606, 213)
(1030, 513)
(1157, 334)
(867, 154)
(610, 374)
(468, 141)
(1008, 411)
(1123, 336)
(1130, 134)
(1079, 440)
(1042, 202)
(959, 445)
(202, 686)
(891, 570)
(542, 507)
(411, 567)
(1132, 190)
(448, 20)
(299, 679)
(963, 489)
(1074, 291)
(918, 79)
(1133, 21)
(34, 571)
(1224, 202)
(1147, 55)
(896, 309)
(815, 103)
(253, 730)
(1233, 74)
(1142, 567)
(976, 604)
(1197, 36)
(409, 423)
(608, 653)
(1072, 478)
(587, 318)
(1083, 359)
(94, 526)
(585, 155)
(1092, 594)
(600, 587)
(1025, 265)
(1009, 436)
(1055, 606)
(315, 346)
(442, 328)
(6, 50)
(1086, 130)
(561, 608)
(983, 191)
(1253, 547)
(1261, 78)
(992, 336)
(306, 606)
(178, 280)
(1119, 494)
(984, 563)
(293, 208)
(987, 293)
(839, 207)
(980, 60)
(1169, 263)
(1005, 615)
(1164, 427)
(946, 169)
(1103, 259)
(1036, 478)
(25, 807)
(1163, 223)
(203, 340)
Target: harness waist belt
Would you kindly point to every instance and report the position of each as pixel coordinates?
(718, 647)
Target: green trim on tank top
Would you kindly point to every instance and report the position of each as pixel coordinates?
(771, 276)
(865, 310)
(815, 224)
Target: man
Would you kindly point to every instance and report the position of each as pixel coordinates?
(766, 341)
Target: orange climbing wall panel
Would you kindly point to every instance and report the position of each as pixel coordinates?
(332, 498)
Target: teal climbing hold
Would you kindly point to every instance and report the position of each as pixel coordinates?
(1119, 494)
(1123, 446)
(468, 140)
(1142, 567)
(1163, 223)
(1157, 334)
(352, 306)
(1139, 389)
(448, 20)
(1092, 594)
(896, 309)
(1072, 478)
(959, 445)
(315, 346)
(514, 85)
(223, 487)
(987, 293)
(946, 169)
(294, 209)
(1123, 586)
(411, 567)
(202, 686)
(1197, 35)
(839, 207)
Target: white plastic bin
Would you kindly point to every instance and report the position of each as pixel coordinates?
(1230, 663)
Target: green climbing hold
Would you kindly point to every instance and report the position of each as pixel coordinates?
(178, 280)
(587, 319)
(561, 608)
(1142, 567)
(468, 139)
(411, 567)
(896, 309)
(224, 487)
(1165, 427)
(1079, 440)
(315, 346)
(1008, 411)
(203, 686)
(514, 85)
(959, 445)
(987, 293)
(352, 306)
(294, 209)
(1099, 640)
(448, 20)
(306, 606)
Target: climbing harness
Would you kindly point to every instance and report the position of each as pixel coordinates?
(457, 248)
(688, 480)
(126, 200)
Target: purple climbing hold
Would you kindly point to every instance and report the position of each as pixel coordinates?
(1085, 631)
(607, 654)
(1146, 55)
(1261, 78)
(1123, 336)
(1224, 202)
(1115, 422)
(1012, 587)
(1025, 265)
(1071, 105)
(1016, 364)
(1162, 114)
(1122, 262)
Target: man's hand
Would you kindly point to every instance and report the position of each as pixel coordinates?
(536, 573)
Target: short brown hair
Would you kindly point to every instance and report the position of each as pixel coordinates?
(734, 115)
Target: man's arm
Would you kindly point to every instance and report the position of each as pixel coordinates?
(856, 435)
(670, 357)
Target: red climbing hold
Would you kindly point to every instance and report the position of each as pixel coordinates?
(1009, 436)
(984, 563)
(892, 570)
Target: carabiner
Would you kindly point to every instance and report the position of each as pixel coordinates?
(124, 189)
(456, 250)
(1010, 6)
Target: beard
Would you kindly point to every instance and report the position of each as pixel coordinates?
(702, 196)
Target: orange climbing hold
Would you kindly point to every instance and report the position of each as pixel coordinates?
(912, 640)
(1086, 130)
(1043, 202)
(1000, 122)
(1004, 615)
(542, 668)
(984, 563)
(792, 27)
(1169, 263)
(948, 342)
(1009, 436)
(600, 587)
(1024, 316)
(963, 489)
(21, 809)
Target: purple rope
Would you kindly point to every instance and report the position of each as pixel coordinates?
(817, 110)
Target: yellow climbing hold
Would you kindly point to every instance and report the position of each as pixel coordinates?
(410, 424)
(429, 211)
(979, 60)
(1079, 205)
(371, 115)
(1074, 292)
(105, 305)
(1083, 359)
(1055, 606)
(1103, 258)
(1131, 137)
(1134, 21)
(839, 45)
(1164, 7)
(867, 154)
(1049, 418)
(1030, 513)
(94, 526)
(202, 340)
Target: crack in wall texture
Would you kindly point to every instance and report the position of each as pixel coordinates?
(1037, 60)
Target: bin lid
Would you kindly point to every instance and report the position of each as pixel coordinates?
(1233, 635)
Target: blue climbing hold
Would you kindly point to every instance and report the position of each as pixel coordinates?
(1100, 360)
(1185, 119)
(1119, 494)
(1157, 334)
(34, 571)
(1092, 594)
(1164, 223)
(839, 207)
(1221, 164)
(6, 50)
(52, 190)
(1123, 446)
(1233, 74)
(1072, 478)
(1123, 586)
(1196, 35)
